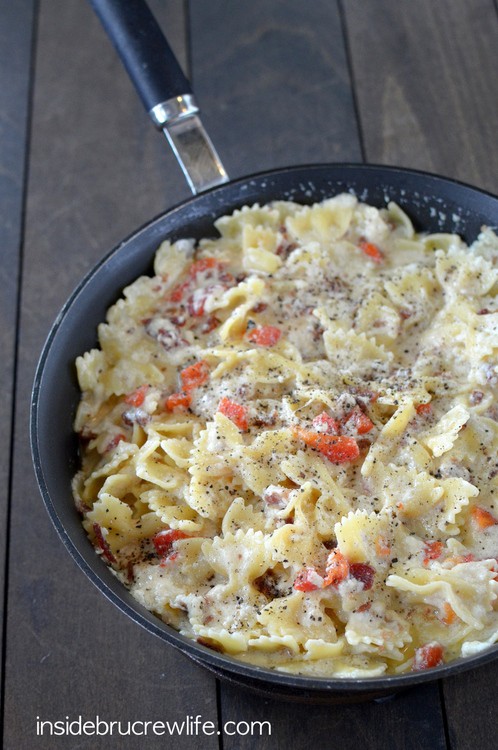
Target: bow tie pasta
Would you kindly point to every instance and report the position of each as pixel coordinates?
(290, 440)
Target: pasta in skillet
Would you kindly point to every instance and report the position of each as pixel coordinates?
(290, 440)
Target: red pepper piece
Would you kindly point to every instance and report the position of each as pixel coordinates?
(264, 335)
(178, 401)
(337, 568)
(360, 421)
(370, 249)
(237, 413)
(433, 550)
(483, 518)
(337, 448)
(194, 375)
(324, 423)
(428, 656)
(137, 397)
(308, 580)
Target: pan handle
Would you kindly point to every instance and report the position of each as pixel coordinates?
(162, 86)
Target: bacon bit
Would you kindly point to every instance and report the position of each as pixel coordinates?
(337, 448)
(484, 311)
(449, 614)
(424, 409)
(400, 506)
(264, 335)
(428, 656)
(276, 496)
(308, 580)
(194, 375)
(259, 307)
(213, 270)
(114, 442)
(482, 517)
(102, 543)
(178, 401)
(382, 547)
(476, 397)
(196, 302)
(432, 550)
(364, 573)
(404, 314)
(359, 421)
(267, 584)
(137, 397)
(179, 291)
(336, 569)
(163, 541)
(210, 324)
(364, 607)
(235, 412)
(326, 424)
(371, 250)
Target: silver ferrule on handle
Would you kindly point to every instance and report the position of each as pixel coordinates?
(173, 109)
(178, 119)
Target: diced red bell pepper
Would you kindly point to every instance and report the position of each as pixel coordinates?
(432, 550)
(360, 421)
(308, 580)
(337, 448)
(482, 518)
(178, 401)
(424, 409)
(237, 413)
(137, 397)
(371, 250)
(336, 569)
(194, 375)
(324, 423)
(428, 656)
(264, 335)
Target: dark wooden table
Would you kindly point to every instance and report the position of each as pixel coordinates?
(408, 82)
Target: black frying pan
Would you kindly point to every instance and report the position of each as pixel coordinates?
(434, 204)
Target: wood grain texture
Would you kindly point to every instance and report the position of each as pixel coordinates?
(425, 80)
(409, 721)
(470, 704)
(16, 30)
(272, 82)
(97, 170)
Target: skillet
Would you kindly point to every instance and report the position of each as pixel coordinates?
(433, 203)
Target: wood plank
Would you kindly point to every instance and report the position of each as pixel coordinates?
(97, 170)
(16, 30)
(409, 61)
(408, 721)
(278, 76)
(272, 83)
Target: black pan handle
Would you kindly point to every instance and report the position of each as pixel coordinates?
(143, 49)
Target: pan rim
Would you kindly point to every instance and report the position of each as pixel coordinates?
(139, 615)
